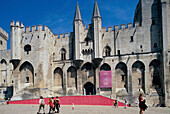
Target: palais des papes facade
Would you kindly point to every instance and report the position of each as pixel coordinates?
(132, 58)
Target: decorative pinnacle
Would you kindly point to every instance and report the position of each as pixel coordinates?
(96, 12)
(77, 15)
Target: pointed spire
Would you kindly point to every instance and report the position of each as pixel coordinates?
(77, 15)
(96, 12)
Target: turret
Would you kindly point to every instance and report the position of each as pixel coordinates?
(78, 29)
(16, 31)
(96, 23)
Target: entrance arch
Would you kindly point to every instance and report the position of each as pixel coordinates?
(155, 83)
(72, 77)
(138, 76)
(58, 77)
(26, 75)
(105, 67)
(88, 72)
(89, 89)
(121, 76)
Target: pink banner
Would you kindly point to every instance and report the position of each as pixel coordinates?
(105, 79)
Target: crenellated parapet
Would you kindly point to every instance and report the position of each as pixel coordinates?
(62, 36)
(34, 28)
(38, 28)
(3, 34)
(16, 24)
(124, 26)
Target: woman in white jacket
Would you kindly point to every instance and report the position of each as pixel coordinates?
(42, 104)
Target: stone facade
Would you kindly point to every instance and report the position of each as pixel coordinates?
(42, 63)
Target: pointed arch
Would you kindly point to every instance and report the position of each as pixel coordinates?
(58, 77)
(3, 71)
(138, 76)
(154, 70)
(26, 73)
(3, 64)
(105, 67)
(72, 77)
(121, 76)
(63, 53)
(89, 89)
(3, 61)
(88, 72)
(107, 51)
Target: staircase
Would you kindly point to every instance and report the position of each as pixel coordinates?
(77, 100)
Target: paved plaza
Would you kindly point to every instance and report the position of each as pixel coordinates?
(32, 109)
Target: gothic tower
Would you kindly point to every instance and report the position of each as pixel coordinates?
(96, 25)
(16, 30)
(77, 29)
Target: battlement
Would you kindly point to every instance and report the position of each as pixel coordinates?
(61, 36)
(17, 23)
(123, 26)
(84, 27)
(3, 33)
(38, 28)
(108, 29)
(104, 29)
(34, 28)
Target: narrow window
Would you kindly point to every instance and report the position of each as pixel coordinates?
(63, 54)
(140, 46)
(139, 81)
(1, 42)
(118, 52)
(27, 79)
(87, 43)
(4, 80)
(155, 45)
(107, 51)
(123, 78)
(153, 22)
(131, 39)
(27, 48)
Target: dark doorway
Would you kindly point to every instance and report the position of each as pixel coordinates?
(89, 89)
(9, 92)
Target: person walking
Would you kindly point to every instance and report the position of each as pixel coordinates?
(57, 104)
(42, 104)
(54, 102)
(142, 104)
(51, 106)
(116, 104)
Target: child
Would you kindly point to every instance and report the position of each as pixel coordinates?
(125, 103)
(72, 106)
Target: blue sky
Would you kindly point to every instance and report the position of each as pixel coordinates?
(58, 15)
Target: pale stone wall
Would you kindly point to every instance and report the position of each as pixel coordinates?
(3, 39)
(42, 63)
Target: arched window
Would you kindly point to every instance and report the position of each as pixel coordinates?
(27, 48)
(107, 51)
(87, 40)
(63, 54)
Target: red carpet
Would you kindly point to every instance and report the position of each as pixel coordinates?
(77, 100)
